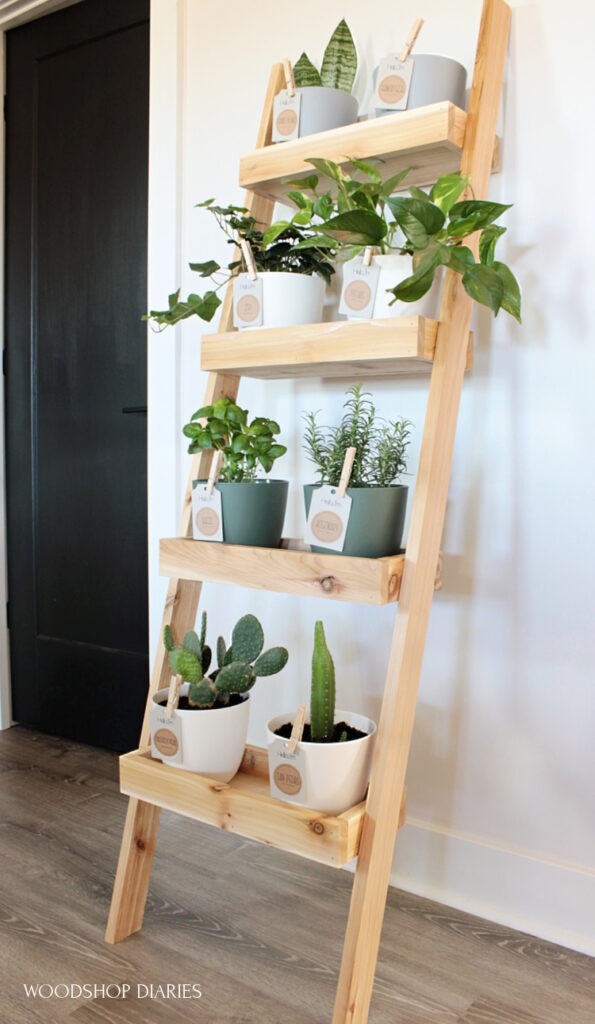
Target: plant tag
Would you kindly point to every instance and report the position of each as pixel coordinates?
(166, 735)
(328, 518)
(287, 773)
(286, 116)
(393, 82)
(360, 284)
(207, 518)
(247, 301)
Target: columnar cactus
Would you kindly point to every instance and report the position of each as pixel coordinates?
(238, 665)
(322, 697)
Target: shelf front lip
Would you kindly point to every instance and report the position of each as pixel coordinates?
(246, 808)
(428, 139)
(337, 348)
(373, 581)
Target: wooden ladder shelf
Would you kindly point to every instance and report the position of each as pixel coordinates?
(432, 141)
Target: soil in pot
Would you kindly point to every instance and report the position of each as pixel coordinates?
(342, 733)
(183, 705)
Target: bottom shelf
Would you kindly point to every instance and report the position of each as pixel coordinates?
(244, 806)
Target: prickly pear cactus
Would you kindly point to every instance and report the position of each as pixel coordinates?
(322, 698)
(247, 639)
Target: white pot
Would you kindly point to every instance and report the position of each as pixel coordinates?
(213, 739)
(290, 299)
(335, 775)
(395, 268)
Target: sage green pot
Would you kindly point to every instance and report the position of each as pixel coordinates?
(376, 521)
(253, 513)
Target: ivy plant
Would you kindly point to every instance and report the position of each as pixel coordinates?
(224, 427)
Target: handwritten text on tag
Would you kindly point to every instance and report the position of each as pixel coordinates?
(207, 518)
(166, 736)
(247, 301)
(360, 284)
(327, 519)
(287, 773)
(393, 82)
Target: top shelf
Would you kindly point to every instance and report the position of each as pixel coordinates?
(428, 140)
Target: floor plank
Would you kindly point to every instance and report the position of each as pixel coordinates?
(259, 931)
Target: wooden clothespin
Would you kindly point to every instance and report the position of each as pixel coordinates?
(248, 257)
(298, 729)
(411, 39)
(173, 696)
(367, 257)
(214, 474)
(289, 79)
(346, 472)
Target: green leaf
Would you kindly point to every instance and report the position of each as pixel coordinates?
(459, 258)
(339, 63)
(447, 190)
(357, 227)
(485, 285)
(309, 183)
(302, 217)
(304, 72)
(272, 234)
(420, 282)
(317, 242)
(327, 167)
(367, 168)
(240, 443)
(205, 269)
(390, 185)
(511, 296)
(473, 214)
(418, 193)
(487, 243)
(418, 220)
(323, 206)
(299, 200)
(203, 412)
(277, 450)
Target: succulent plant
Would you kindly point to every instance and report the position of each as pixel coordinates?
(322, 696)
(239, 665)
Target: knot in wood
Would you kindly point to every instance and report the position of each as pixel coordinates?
(328, 584)
(140, 844)
(317, 827)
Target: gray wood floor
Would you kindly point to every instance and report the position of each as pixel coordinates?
(260, 932)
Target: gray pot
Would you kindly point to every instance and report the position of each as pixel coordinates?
(253, 513)
(434, 80)
(376, 521)
(322, 108)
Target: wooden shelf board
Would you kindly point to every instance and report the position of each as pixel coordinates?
(338, 577)
(342, 348)
(244, 806)
(428, 140)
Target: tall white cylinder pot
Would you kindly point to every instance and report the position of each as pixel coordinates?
(213, 739)
(336, 775)
(290, 299)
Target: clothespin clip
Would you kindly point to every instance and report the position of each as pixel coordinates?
(346, 471)
(411, 39)
(298, 729)
(248, 257)
(289, 79)
(214, 474)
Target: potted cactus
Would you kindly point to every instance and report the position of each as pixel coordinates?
(253, 510)
(326, 101)
(334, 755)
(214, 709)
(378, 501)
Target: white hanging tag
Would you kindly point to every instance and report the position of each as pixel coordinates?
(166, 735)
(328, 518)
(287, 773)
(207, 517)
(286, 116)
(247, 301)
(393, 82)
(360, 284)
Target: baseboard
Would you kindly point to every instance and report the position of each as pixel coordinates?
(549, 899)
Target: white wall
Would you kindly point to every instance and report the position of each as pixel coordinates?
(501, 772)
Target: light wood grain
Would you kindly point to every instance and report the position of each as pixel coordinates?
(350, 348)
(142, 822)
(337, 577)
(244, 806)
(427, 140)
(423, 544)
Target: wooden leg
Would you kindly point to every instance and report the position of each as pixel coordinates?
(134, 870)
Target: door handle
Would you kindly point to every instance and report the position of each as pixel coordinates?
(130, 410)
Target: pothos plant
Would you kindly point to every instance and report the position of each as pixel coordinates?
(381, 446)
(432, 227)
(280, 252)
(339, 63)
(224, 427)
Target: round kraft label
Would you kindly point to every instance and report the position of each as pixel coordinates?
(357, 295)
(287, 779)
(392, 89)
(248, 308)
(327, 526)
(287, 122)
(166, 742)
(207, 522)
